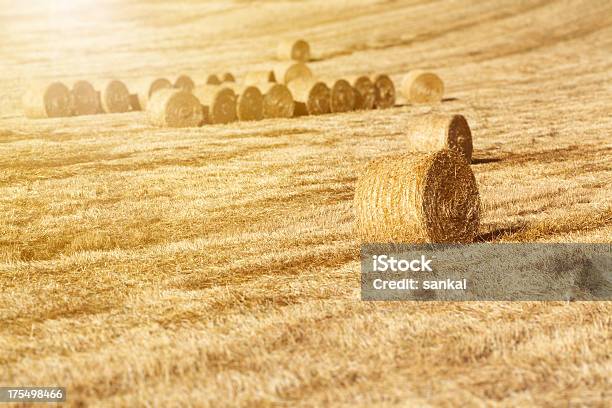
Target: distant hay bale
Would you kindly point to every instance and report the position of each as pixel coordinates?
(278, 101)
(342, 96)
(417, 198)
(228, 77)
(311, 97)
(365, 93)
(219, 103)
(297, 50)
(213, 79)
(420, 86)
(47, 101)
(114, 96)
(84, 99)
(185, 83)
(384, 91)
(285, 72)
(259, 77)
(174, 108)
(145, 89)
(436, 131)
(249, 102)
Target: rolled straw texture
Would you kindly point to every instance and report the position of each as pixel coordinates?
(84, 98)
(342, 96)
(184, 82)
(219, 103)
(420, 86)
(311, 97)
(278, 101)
(47, 101)
(417, 198)
(114, 96)
(145, 89)
(365, 93)
(433, 132)
(384, 91)
(286, 72)
(174, 108)
(297, 50)
(249, 102)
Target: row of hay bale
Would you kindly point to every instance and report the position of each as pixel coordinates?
(289, 89)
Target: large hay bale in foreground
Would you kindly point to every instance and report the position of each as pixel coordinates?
(311, 97)
(259, 77)
(249, 101)
(278, 101)
(175, 108)
(145, 89)
(297, 50)
(47, 101)
(219, 103)
(420, 86)
(285, 72)
(433, 132)
(114, 96)
(185, 83)
(365, 92)
(84, 99)
(417, 198)
(342, 97)
(384, 91)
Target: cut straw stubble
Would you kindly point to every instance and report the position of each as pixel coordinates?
(417, 198)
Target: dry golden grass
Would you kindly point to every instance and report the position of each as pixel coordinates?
(218, 265)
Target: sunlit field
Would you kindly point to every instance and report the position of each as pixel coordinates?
(218, 266)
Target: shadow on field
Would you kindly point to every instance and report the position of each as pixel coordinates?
(485, 160)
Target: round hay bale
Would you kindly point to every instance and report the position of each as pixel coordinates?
(145, 89)
(436, 131)
(342, 96)
(420, 86)
(219, 103)
(297, 50)
(417, 198)
(277, 102)
(84, 99)
(259, 77)
(249, 102)
(114, 96)
(365, 92)
(285, 72)
(185, 83)
(311, 97)
(228, 77)
(213, 79)
(47, 101)
(175, 108)
(384, 91)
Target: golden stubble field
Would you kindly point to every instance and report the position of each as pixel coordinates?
(218, 266)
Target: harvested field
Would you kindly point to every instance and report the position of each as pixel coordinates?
(218, 265)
